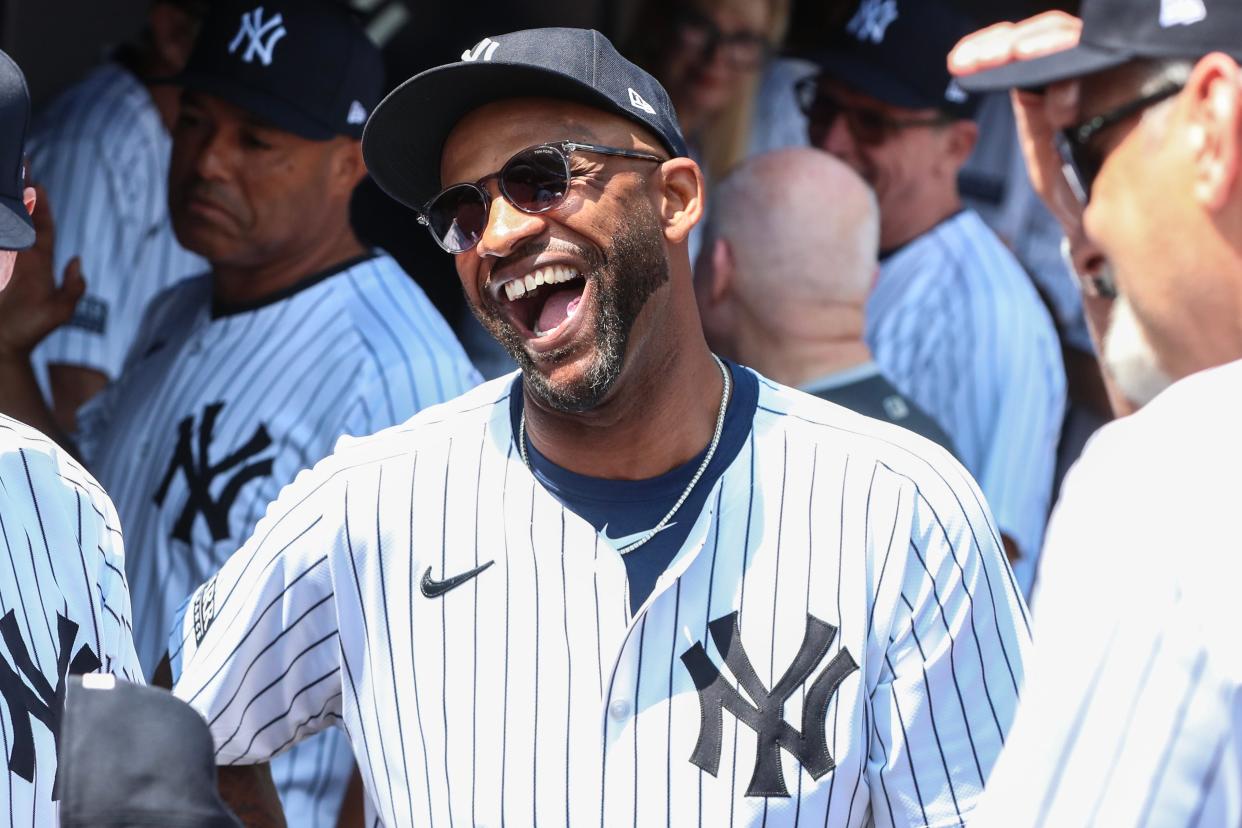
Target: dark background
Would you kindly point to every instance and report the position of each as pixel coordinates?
(56, 41)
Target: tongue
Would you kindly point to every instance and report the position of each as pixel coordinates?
(559, 307)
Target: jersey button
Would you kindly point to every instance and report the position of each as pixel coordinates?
(620, 709)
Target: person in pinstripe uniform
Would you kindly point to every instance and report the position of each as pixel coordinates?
(242, 378)
(1132, 715)
(64, 604)
(953, 320)
(631, 584)
(100, 155)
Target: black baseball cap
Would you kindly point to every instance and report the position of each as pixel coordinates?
(896, 51)
(406, 133)
(304, 66)
(1115, 32)
(16, 228)
(166, 777)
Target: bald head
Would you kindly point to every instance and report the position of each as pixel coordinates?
(803, 229)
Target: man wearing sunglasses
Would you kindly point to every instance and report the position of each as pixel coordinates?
(954, 320)
(1131, 714)
(533, 605)
(300, 333)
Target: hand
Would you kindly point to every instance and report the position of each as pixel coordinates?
(32, 306)
(1039, 115)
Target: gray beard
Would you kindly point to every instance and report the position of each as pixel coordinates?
(1129, 357)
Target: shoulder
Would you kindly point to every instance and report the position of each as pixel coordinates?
(42, 465)
(384, 304)
(109, 108)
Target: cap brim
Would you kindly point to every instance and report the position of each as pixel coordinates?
(405, 134)
(16, 228)
(876, 81)
(1039, 72)
(267, 107)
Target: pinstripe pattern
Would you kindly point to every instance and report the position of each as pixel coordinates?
(358, 351)
(531, 696)
(958, 327)
(101, 152)
(60, 555)
(1132, 713)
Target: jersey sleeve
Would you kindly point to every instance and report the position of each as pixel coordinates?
(97, 219)
(115, 612)
(255, 648)
(952, 665)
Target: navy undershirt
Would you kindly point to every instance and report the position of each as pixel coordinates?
(630, 508)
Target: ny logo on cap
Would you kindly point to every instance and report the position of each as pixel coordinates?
(872, 20)
(639, 102)
(263, 36)
(1181, 12)
(483, 50)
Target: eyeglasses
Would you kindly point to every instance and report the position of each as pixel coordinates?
(868, 126)
(741, 50)
(534, 180)
(1082, 151)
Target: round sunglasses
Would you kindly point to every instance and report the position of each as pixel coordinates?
(534, 180)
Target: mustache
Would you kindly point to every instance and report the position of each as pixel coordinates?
(213, 193)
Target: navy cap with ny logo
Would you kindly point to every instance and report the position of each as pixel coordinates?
(1115, 32)
(16, 228)
(406, 133)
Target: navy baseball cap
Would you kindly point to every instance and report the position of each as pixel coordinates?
(304, 66)
(1115, 32)
(896, 51)
(405, 136)
(16, 228)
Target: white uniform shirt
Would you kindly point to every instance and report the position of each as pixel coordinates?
(1133, 712)
(64, 607)
(101, 152)
(219, 409)
(958, 327)
(529, 694)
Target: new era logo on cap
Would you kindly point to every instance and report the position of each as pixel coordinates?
(872, 20)
(637, 101)
(483, 50)
(260, 36)
(357, 113)
(1181, 12)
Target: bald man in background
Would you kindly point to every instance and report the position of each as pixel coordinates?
(782, 283)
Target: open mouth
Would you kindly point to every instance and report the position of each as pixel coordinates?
(543, 301)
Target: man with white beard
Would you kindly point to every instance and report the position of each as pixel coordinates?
(1131, 712)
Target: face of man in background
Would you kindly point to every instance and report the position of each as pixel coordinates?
(604, 244)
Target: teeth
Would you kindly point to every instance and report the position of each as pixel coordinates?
(551, 275)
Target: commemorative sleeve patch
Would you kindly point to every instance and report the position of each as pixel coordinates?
(91, 315)
(203, 610)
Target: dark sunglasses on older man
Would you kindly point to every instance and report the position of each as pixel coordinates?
(534, 180)
(867, 126)
(1083, 152)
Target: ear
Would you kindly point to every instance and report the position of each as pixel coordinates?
(29, 198)
(173, 32)
(1215, 119)
(721, 274)
(680, 198)
(960, 138)
(348, 168)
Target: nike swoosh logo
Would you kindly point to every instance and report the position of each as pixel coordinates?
(621, 543)
(434, 589)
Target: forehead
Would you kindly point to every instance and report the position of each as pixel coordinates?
(482, 141)
(735, 15)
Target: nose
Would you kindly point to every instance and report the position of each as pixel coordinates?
(507, 229)
(212, 155)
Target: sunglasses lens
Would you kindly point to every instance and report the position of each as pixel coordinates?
(1080, 167)
(457, 217)
(535, 180)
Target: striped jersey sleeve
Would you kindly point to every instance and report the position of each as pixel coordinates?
(1132, 715)
(101, 154)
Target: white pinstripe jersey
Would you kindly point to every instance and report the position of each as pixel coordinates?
(64, 607)
(530, 695)
(218, 409)
(101, 152)
(1133, 712)
(956, 324)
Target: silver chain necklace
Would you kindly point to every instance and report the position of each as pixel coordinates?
(711, 452)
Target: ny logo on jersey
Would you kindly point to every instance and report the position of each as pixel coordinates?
(201, 473)
(872, 20)
(36, 698)
(263, 36)
(765, 712)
